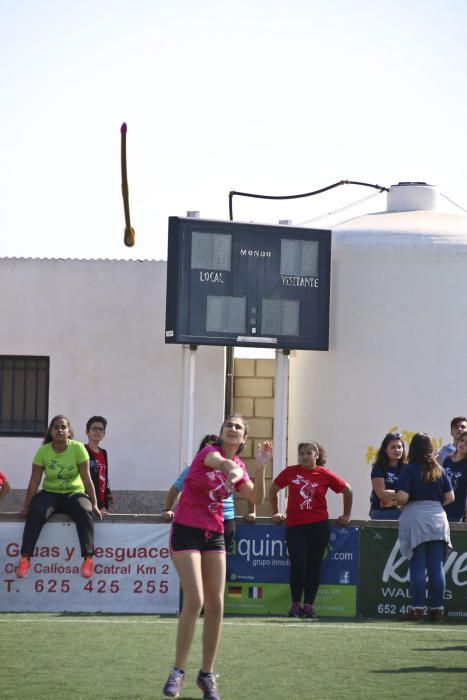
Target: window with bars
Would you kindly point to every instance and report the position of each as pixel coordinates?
(24, 395)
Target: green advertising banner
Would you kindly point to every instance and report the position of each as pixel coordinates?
(384, 587)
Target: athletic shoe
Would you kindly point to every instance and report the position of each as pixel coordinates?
(436, 615)
(415, 615)
(308, 612)
(87, 568)
(295, 610)
(208, 685)
(174, 683)
(23, 567)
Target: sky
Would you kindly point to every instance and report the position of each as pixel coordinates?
(268, 96)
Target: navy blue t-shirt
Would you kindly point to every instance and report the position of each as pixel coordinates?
(411, 481)
(391, 478)
(457, 473)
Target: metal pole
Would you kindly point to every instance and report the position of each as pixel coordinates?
(188, 395)
(281, 403)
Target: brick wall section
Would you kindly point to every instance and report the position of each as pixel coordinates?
(254, 399)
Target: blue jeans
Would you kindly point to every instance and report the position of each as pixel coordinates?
(428, 556)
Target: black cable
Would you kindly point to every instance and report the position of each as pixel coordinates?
(299, 196)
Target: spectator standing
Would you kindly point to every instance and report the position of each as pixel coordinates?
(458, 426)
(98, 461)
(456, 468)
(384, 476)
(307, 521)
(424, 536)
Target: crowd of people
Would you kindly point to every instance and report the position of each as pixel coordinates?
(419, 487)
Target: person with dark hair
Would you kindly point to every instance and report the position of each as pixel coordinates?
(307, 522)
(228, 503)
(67, 488)
(456, 468)
(99, 462)
(458, 426)
(384, 475)
(424, 536)
(198, 547)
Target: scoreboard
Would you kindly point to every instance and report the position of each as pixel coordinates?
(248, 285)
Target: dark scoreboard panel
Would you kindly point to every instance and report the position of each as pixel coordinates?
(249, 285)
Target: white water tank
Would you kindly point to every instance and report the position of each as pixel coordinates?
(398, 338)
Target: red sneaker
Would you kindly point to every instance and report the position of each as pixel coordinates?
(87, 569)
(23, 567)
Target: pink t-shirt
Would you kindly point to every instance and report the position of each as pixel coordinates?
(200, 503)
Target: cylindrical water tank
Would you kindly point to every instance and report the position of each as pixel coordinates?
(398, 334)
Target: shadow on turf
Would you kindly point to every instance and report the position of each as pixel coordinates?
(423, 669)
(460, 648)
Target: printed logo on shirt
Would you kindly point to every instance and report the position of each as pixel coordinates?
(219, 492)
(454, 477)
(306, 491)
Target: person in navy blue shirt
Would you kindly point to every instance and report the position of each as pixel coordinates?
(423, 490)
(456, 468)
(384, 477)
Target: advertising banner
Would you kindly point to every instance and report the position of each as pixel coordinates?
(133, 570)
(258, 573)
(385, 584)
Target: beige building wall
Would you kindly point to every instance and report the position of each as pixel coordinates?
(254, 399)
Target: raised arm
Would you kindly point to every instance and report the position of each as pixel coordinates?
(255, 490)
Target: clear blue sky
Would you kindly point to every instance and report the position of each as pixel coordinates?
(267, 96)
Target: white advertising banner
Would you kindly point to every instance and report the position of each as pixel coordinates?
(133, 572)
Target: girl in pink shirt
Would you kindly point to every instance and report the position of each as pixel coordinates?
(198, 547)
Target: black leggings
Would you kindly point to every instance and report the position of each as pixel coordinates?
(306, 545)
(44, 504)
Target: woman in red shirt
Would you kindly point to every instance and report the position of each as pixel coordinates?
(307, 522)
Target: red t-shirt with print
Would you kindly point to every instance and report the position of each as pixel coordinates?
(306, 502)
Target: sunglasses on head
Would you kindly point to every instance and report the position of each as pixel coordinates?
(394, 436)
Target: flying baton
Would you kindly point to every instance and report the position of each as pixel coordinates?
(129, 237)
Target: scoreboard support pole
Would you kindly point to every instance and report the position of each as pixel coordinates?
(188, 405)
(281, 401)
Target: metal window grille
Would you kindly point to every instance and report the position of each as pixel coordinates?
(24, 395)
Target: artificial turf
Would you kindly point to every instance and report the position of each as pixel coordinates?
(121, 657)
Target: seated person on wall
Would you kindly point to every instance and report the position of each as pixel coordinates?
(455, 467)
(458, 426)
(98, 462)
(67, 488)
(384, 477)
(4, 486)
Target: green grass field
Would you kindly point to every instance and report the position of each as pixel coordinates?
(120, 657)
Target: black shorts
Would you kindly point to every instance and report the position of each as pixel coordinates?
(194, 539)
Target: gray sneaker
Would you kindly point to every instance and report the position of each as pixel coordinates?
(208, 685)
(174, 683)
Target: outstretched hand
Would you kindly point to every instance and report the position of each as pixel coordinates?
(263, 453)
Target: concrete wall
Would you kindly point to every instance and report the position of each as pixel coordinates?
(102, 324)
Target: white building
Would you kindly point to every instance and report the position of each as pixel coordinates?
(101, 324)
